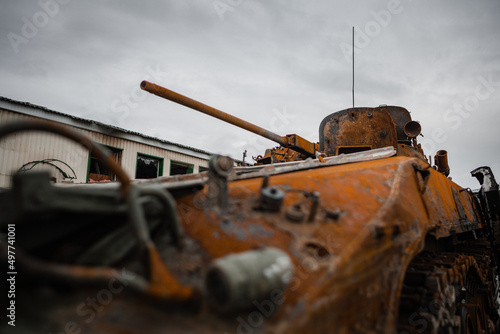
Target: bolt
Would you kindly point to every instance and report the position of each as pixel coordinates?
(265, 182)
(314, 206)
(295, 214)
(270, 199)
(225, 163)
(333, 214)
(369, 114)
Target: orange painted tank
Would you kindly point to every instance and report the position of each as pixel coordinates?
(357, 233)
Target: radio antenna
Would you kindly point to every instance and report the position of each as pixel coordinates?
(353, 67)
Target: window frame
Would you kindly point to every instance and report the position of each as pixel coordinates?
(188, 165)
(117, 151)
(160, 165)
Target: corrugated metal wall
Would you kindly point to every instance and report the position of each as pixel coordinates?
(19, 149)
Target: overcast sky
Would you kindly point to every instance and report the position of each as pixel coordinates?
(283, 65)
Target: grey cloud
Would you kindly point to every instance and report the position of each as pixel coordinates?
(260, 56)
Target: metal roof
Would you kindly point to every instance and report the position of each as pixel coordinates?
(95, 126)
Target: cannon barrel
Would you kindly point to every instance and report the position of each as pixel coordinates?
(201, 107)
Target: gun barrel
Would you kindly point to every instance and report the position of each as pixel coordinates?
(201, 107)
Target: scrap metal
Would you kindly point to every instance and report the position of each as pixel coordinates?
(357, 233)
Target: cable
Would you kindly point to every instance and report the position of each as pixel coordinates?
(48, 162)
(107, 159)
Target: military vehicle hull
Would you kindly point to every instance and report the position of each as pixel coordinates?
(376, 243)
(357, 233)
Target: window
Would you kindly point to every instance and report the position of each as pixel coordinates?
(98, 172)
(177, 168)
(148, 166)
(202, 169)
(352, 149)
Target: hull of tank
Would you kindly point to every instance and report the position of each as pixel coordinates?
(350, 226)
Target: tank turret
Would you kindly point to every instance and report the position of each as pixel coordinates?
(356, 233)
(346, 131)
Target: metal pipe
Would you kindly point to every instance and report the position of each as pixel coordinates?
(201, 107)
(412, 129)
(219, 168)
(236, 282)
(441, 161)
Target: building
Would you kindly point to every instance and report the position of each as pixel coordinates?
(141, 156)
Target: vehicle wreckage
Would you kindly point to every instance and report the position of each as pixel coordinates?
(357, 233)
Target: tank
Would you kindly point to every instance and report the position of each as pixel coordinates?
(356, 233)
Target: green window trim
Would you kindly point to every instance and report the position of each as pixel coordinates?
(190, 167)
(160, 163)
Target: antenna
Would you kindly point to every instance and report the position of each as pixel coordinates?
(353, 67)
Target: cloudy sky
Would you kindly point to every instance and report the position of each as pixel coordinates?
(283, 65)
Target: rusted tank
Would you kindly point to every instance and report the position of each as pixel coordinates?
(357, 233)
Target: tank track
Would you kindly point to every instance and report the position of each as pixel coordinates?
(450, 292)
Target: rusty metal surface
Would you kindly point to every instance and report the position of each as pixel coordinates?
(438, 287)
(412, 129)
(294, 142)
(441, 161)
(400, 116)
(408, 150)
(356, 129)
(368, 228)
(344, 245)
(301, 145)
(278, 155)
(359, 239)
(160, 282)
(349, 243)
(201, 107)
